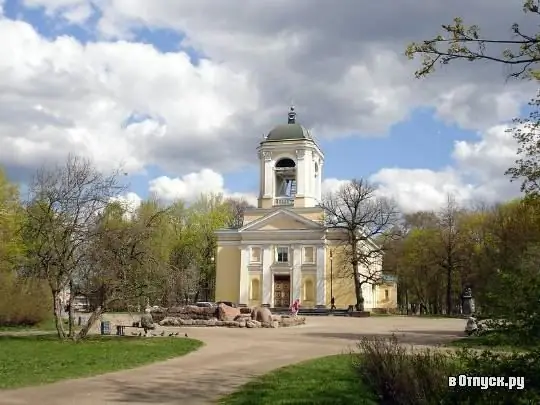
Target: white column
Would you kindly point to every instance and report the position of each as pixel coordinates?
(296, 278)
(300, 173)
(244, 275)
(267, 260)
(268, 176)
(321, 281)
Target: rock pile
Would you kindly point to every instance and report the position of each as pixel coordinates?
(225, 316)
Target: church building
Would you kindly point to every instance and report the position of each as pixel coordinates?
(283, 251)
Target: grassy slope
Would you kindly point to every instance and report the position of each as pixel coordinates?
(327, 380)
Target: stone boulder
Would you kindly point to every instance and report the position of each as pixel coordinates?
(253, 324)
(227, 313)
(192, 312)
(271, 324)
(261, 314)
(243, 317)
(287, 321)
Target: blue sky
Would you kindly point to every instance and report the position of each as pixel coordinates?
(394, 150)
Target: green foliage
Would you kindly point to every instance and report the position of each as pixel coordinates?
(23, 302)
(487, 363)
(465, 42)
(401, 376)
(527, 167)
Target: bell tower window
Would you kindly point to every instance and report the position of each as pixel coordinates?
(285, 172)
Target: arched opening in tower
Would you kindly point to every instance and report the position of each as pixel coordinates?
(285, 178)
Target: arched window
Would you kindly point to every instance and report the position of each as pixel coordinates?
(255, 289)
(308, 290)
(285, 162)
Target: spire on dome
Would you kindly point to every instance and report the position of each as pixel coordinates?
(292, 115)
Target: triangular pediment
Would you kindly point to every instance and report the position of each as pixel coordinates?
(282, 220)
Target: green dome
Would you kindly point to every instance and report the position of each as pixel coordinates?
(288, 132)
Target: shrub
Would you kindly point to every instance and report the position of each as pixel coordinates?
(487, 363)
(23, 302)
(404, 376)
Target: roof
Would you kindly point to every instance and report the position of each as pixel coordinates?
(288, 132)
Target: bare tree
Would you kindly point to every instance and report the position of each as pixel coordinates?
(64, 203)
(451, 256)
(359, 217)
(238, 207)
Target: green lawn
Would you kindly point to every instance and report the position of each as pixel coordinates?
(327, 380)
(493, 341)
(33, 360)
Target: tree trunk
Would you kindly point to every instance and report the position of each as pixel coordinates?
(93, 318)
(71, 316)
(448, 290)
(57, 313)
(358, 291)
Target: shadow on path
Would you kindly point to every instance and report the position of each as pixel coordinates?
(409, 337)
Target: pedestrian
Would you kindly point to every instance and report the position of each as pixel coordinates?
(295, 306)
(332, 304)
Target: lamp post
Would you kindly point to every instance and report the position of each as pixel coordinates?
(331, 274)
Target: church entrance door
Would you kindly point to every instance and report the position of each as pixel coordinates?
(282, 291)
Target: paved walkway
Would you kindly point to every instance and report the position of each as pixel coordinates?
(230, 358)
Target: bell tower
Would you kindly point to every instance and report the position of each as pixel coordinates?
(290, 167)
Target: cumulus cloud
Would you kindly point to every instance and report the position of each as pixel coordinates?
(59, 96)
(191, 186)
(130, 201)
(123, 102)
(343, 66)
(477, 175)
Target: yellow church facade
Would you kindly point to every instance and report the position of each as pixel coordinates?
(283, 251)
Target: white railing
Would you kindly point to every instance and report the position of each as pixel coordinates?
(284, 201)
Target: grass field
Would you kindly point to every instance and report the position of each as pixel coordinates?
(493, 341)
(34, 360)
(327, 380)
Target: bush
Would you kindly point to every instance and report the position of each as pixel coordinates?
(487, 363)
(23, 302)
(402, 376)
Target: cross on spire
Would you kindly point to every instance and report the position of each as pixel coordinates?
(292, 115)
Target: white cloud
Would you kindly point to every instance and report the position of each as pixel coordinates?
(58, 96)
(126, 103)
(191, 186)
(130, 201)
(332, 185)
(477, 175)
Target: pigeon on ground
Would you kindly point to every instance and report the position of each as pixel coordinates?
(186, 335)
(140, 333)
(171, 334)
(162, 333)
(177, 333)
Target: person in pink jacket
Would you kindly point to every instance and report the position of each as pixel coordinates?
(295, 306)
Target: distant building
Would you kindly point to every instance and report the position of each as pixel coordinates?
(282, 252)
